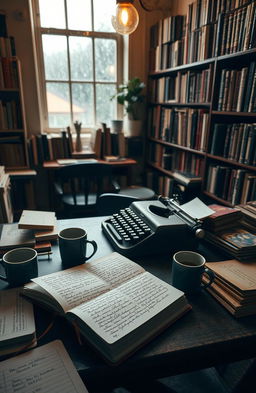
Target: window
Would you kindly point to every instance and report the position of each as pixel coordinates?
(81, 61)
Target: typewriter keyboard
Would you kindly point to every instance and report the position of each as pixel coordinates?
(127, 227)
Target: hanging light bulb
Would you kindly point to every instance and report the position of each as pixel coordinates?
(126, 19)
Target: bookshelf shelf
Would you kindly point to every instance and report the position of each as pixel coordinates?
(183, 104)
(237, 114)
(164, 143)
(205, 64)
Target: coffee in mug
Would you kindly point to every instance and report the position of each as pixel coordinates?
(20, 266)
(187, 271)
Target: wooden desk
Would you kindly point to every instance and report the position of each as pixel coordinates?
(206, 336)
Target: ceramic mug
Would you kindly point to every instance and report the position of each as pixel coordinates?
(20, 265)
(187, 271)
(73, 246)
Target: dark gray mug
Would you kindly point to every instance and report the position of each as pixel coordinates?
(20, 265)
(73, 245)
(187, 270)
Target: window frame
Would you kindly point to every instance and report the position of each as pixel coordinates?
(39, 31)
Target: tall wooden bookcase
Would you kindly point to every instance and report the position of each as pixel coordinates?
(13, 129)
(202, 102)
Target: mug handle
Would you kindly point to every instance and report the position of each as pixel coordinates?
(211, 276)
(95, 248)
(2, 277)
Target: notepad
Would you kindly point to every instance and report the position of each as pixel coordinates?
(47, 369)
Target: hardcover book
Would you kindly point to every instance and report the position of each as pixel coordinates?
(115, 303)
(234, 286)
(17, 324)
(34, 219)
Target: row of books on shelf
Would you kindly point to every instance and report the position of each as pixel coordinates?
(108, 144)
(173, 160)
(9, 78)
(233, 185)
(183, 87)
(10, 115)
(199, 13)
(237, 91)
(184, 127)
(235, 142)
(237, 30)
(7, 47)
(232, 31)
(12, 153)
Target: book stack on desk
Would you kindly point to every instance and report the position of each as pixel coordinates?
(248, 212)
(223, 218)
(234, 286)
(240, 243)
(35, 229)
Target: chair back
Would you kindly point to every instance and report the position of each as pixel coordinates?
(80, 182)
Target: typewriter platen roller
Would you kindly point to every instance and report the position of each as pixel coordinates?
(152, 227)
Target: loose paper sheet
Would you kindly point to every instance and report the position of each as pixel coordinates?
(47, 369)
(16, 315)
(74, 286)
(127, 307)
(197, 209)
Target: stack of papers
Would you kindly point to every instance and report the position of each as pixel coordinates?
(234, 286)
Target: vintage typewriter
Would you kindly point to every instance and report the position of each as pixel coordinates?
(152, 227)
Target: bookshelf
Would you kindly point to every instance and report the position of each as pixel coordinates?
(13, 130)
(202, 102)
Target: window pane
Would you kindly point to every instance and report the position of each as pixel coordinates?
(58, 103)
(81, 58)
(52, 13)
(105, 109)
(55, 57)
(79, 14)
(82, 98)
(105, 60)
(103, 10)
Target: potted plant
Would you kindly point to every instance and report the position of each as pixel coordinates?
(130, 96)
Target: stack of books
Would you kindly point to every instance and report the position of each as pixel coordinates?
(223, 218)
(234, 286)
(238, 242)
(35, 229)
(248, 212)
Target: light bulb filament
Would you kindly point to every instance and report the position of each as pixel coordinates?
(124, 17)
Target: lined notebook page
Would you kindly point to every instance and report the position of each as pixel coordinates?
(46, 369)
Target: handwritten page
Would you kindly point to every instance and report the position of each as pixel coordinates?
(127, 307)
(74, 286)
(197, 209)
(16, 316)
(47, 369)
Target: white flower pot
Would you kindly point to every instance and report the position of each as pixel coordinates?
(132, 127)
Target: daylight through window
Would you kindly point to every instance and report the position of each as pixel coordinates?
(80, 56)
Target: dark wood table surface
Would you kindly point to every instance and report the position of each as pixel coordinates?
(206, 336)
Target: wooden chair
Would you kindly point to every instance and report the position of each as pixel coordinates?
(78, 188)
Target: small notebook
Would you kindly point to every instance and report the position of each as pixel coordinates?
(34, 219)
